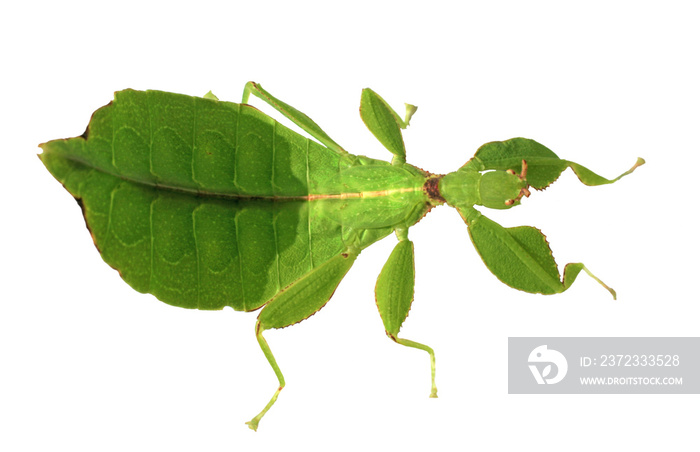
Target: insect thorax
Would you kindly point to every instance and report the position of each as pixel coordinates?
(493, 189)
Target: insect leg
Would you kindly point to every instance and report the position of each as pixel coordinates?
(520, 256)
(544, 167)
(253, 423)
(297, 117)
(384, 123)
(303, 298)
(210, 96)
(394, 294)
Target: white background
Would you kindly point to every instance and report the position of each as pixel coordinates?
(87, 364)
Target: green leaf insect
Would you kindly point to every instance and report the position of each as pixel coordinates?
(207, 204)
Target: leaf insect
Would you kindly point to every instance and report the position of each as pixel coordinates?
(207, 204)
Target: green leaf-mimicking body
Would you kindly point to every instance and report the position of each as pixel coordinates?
(207, 204)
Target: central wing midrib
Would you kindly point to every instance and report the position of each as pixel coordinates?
(238, 196)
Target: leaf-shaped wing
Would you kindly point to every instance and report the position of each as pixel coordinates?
(180, 195)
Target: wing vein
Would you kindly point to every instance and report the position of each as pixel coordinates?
(308, 217)
(150, 229)
(109, 217)
(277, 250)
(240, 262)
(274, 154)
(196, 252)
(150, 141)
(235, 148)
(194, 140)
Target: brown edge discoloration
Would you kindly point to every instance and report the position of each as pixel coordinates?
(92, 235)
(85, 134)
(87, 225)
(431, 188)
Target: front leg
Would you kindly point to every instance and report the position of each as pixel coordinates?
(520, 257)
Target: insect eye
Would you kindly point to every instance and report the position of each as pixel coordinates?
(509, 202)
